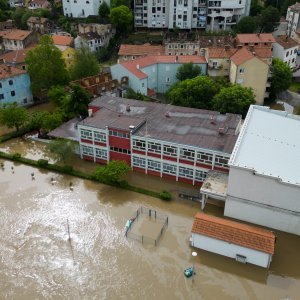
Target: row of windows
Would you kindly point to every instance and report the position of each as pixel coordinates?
(100, 153)
(10, 82)
(120, 150)
(88, 134)
(119, 134)
(184, 153)
(168, 168)
(12, 93)
(100, 136)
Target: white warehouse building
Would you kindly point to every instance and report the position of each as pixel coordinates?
(264, 177)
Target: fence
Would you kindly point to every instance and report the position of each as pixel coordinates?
(141, 215)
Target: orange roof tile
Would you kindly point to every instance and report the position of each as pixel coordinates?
(7, 71)
(263, 52)
(241, 56)
(286, 42)
(252, 38)
(16, 56)
(62, 40)
(17, 34)
(234, 232)
(220, 52)
(138, 50)
(134, 65)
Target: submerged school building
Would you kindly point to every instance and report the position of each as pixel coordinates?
(173, 142)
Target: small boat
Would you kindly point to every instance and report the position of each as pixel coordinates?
(188, 272)
(128, 223)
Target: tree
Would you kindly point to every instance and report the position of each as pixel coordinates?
(46, 66)
(196, 92)
(188, 71)
(246, 25)
(37, 119)
(255, 8)
(122, 18)
(235, 99)
(52, 121)
(268, 19)
(281, 76)
(131, 94)
(103, 11)
(62, 149)
(13, 115)
(56, 94)
(85, 64)
(112, 173)
(116, 3)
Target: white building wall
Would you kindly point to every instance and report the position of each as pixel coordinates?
(273, 203)
(255, 257)
(289, 56)
(293, 20)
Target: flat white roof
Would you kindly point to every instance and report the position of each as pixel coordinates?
(269, 144)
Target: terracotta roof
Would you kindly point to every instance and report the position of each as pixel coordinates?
(16, 56)
(252, 38)
(134, 65)
(138, 50)
(241, 56)
(234, 232)
(263, 52)
(17, 34)
(62, 40)
(286, 42)
(295, 7)
(220, 52)
(7, 71)
(37, 20)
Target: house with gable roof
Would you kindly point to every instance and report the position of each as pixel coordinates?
(17, 39)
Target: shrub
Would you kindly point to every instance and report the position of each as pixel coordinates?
(42, 162)
(165, 195)
(67, 169)
(16, 156)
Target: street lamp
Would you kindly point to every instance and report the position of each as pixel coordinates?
(194, 254)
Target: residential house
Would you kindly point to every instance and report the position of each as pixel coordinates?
(285, 49)
(8, 24)
(82, 9)
(94, 36)
(40, 25)
(244, 243)
(255, 40)
(249, 70)
(17, 39)
(219, 61)
(16, 58)
(264, 179)
(16, 3)
(68, 54)
(62, 40)
(14, 86)
(154, 74)
(38, 4)
(184, 14)
(130, 52)
(292, 17)
(178, 143)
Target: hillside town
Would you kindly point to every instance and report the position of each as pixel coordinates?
(192, 107)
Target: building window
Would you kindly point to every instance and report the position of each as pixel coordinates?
(242, 70)
(139, 145)
(87, 150)
(1, 96)
(205, 158)
(154, 165)
(287, 54)
(139, 162)
(221, 161)
(86, 134)
(170, 150)
(0, 85)
(25, 100)
(167, 79)
(13, 93)
(200, 175)
(154, 147)
(169, 169)
(186, 172)
(10, 82)
(119, 134)
(120, 150)
(100, 136)
(101, 153)
(187, 154)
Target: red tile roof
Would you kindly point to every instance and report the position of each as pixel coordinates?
(7, 71)
(62, 40)
(286, 42)
(16, 56)
(241, 56)
(263, 52)
(139, 50)
(17, 34)
(234, 232)
(252, 38)
(220, 52)
(134, 65)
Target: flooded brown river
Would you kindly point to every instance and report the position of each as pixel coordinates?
(37, 261)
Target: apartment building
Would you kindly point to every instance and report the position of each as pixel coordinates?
(292, 17)
(189, 14)
(173, 142)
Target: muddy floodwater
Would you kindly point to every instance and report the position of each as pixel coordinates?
(37, 260)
